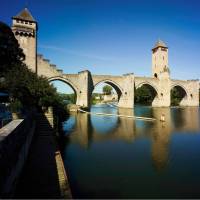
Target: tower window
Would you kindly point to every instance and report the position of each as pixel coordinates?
(155, 75)
(30, 23)
(26, 22)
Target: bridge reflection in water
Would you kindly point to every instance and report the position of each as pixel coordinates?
(142, 149)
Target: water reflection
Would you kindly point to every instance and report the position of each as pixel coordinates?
(131, 139)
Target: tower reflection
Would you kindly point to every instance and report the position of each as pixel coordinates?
(90, 129)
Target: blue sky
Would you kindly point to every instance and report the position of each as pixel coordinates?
(115, 36)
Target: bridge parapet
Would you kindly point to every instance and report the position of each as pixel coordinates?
(45, 68)
(15, 139)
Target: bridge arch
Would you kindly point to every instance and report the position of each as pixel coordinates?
(66, 81)
(148, 84)
(146, 97)
(113, 84)
(178, 94)
(179, 86)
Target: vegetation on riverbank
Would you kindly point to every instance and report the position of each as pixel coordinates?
(67, 98)
(144, 95)
(26, 90)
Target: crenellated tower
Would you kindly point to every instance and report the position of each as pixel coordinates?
(160, 67)
(25, 29)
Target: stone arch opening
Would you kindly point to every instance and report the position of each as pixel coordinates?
(177, 94)
(103, 97)
(66, 90)
(145, 94)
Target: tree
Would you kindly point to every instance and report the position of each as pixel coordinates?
(10, 52)
(68, 98)
(176, 96)
(144, 95)
(199, 95)
(107, 89)
(30, 89)
(21, 83)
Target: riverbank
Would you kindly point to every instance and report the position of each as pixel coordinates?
(43, 175)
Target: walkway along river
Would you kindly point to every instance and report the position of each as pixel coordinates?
(117, 157)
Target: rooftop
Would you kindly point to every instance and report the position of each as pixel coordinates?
(25, 15)
(160, 43)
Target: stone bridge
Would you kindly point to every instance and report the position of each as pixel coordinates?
(84, 83)
(25, 28)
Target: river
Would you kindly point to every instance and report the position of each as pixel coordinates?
(112, 157)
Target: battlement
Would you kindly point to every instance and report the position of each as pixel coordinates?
(60, 71)
(46, 68)
(53, 66)
(40, 56)
(46, 60)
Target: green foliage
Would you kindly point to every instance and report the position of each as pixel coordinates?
(144, 95)
(176, 96)
(10, 53)
(94, 99)
(30, 89)
(107, 89)
(21, 83)
(199, 95)
(15, 106)
(67, 98)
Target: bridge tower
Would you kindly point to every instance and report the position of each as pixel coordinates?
(160, 68)
(160, 72)
(25, 29)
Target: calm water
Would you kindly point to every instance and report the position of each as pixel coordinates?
(111, 157)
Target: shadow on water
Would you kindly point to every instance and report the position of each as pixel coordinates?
(112, 157)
